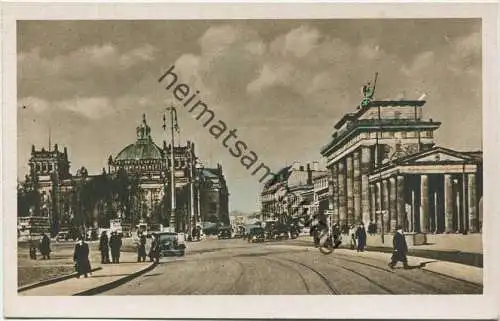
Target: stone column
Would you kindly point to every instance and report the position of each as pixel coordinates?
(393, 204)
(473, 203)
(386, 207)
(373, 203)
(400, 197)
(356, 189)
(365, 185)
(333, 193)
(449, 204)
(378, 216)
(342, 206)
(424, 203)
(349, 189)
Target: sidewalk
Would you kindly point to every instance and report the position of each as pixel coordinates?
(454, 270)
(110, 275)
(458, 271)
(462, 249)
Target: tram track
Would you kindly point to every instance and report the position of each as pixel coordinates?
(328, 283)
(278, 262)
(422, 284)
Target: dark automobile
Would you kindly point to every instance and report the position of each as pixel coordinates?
(256, 234)
(171, 244)
(224, 233)
(240, 232)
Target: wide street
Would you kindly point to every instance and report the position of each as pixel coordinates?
(237, 267)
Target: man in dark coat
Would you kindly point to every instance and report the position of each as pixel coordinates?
(104, 248)
(115, 243)
(400, 249)
(45, 247)
(361, 237)
(154, 252)
(81, 258)
(141, 250)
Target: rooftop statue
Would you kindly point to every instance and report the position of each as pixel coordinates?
(368, 92)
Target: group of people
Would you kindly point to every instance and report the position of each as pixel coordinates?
(114, 243)
(154, 251)
(358, 238)
(43, 247)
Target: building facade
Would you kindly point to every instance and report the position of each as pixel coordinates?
(200, 192)
(291, 193)
(386, 169)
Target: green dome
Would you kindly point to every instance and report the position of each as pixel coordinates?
(143, 148)
(140, 150)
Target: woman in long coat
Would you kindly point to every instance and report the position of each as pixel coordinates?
(45, 247)
(81, 258)
(361, 237)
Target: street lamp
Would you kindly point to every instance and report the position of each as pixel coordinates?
(173, 126)
(199, 171)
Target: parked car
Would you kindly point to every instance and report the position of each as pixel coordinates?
(171, 244)
(224, 233)
(256, 234)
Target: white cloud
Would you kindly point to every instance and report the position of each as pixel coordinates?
(90, 107)
(81, 62)
(299, 42)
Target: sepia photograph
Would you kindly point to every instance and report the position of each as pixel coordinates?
(277, 157)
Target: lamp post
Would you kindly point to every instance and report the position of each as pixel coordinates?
(173, 126)
(199, 172)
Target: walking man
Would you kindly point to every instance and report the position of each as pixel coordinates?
(400, 249)
(81, 258)
(154, 252)
(361, 237)
(104, 248)
(141, 250)
(115, 243)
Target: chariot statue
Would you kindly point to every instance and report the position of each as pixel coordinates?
(368, 92)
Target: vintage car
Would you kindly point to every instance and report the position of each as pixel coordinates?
(256, 234)
(224, 233)
(171, 244)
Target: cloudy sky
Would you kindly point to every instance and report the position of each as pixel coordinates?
(281, 84)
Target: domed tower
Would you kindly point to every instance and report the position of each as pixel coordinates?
(143, 157)
(145, 160)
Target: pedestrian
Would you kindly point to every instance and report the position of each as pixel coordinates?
(141, 250)
(81, 258)
(104, 248)
(361, 237)
(337, 235)
(45, 247)
(32, 250)
(352, 234)
(154, 252)
(400, 249)
(115, 243)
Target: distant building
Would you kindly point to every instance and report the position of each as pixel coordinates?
(214, 196)
(385, 168)
(290, 194)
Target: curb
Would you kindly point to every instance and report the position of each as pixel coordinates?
(51, 281)
(116, 283)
